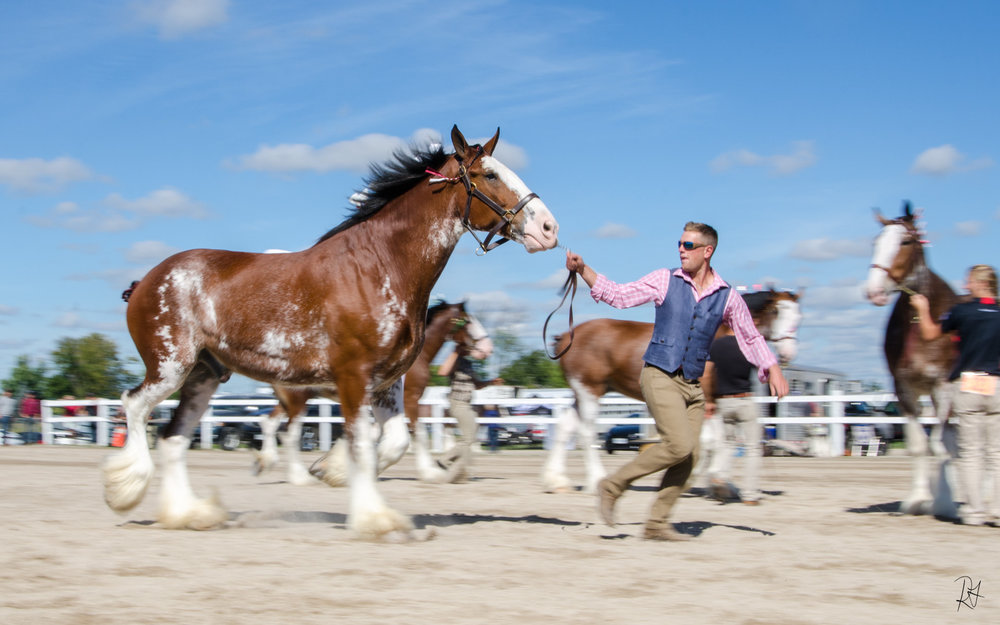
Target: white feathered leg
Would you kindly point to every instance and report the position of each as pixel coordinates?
(298, 474)
(267, 457)
(179, 508)
(127, 473)
(369, 515)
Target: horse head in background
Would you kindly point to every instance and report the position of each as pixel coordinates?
(918, 367)
(347, 315)
(777, 316)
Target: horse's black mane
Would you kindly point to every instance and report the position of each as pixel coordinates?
(389, 180)
(758, 300)
(434, 310)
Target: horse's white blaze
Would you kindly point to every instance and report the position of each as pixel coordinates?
(784, 329)
(540, 227)
(887, 244)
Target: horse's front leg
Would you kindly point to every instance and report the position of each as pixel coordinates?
(920, 500)
(369, 515)
(267, 457)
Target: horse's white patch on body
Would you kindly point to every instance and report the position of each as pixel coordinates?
(392, 314)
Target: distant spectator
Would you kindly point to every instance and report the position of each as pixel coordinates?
(31, 411)
(7, 409)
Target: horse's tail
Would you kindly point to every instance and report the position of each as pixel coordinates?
(127, 293)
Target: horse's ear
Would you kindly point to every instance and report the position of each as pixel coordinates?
(907, 210)
(492, 143)
(879, 218)
(459, 142)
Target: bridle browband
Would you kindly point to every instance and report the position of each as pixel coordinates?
(472, 191)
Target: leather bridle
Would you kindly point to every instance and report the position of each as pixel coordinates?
(507, 216)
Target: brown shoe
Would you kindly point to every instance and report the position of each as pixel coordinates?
(751, 502)
(666, 534)
(606, 502)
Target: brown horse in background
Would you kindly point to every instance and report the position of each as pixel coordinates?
(445, 322)
(918, 367)
(606, 355)
(347, 313)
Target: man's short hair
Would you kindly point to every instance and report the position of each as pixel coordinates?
(707, 232)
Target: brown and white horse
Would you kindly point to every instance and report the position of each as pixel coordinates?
(347, 313)
(918, 367)
(445, 322)
(606, 355)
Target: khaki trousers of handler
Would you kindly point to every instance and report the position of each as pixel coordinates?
(678, 409)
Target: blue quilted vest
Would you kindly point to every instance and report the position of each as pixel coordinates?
(684, 329)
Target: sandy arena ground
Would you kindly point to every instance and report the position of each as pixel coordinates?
(824, 547)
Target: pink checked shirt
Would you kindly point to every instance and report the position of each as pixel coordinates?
(653, 288)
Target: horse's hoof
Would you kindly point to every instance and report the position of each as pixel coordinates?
(125, 481)
(916, 507)
(381, 523)
(202, 514)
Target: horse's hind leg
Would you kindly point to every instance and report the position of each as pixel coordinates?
(394, 432)
(127, 473)
(179, 507)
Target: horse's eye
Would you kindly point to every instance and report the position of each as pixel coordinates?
(907, 242)
(491, 176)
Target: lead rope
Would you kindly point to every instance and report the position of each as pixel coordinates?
(568, 290)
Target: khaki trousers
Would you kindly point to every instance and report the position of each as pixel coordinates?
(978, 453)
(678, 408)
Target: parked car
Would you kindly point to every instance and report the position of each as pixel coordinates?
(624, 437)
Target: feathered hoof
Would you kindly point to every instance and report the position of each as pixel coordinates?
(298, 475)
(917, 506)
(125, 481)
(329, 472)
(557, 484)
(433, 475)
(381, 523)
(262, 462)
(200, 514)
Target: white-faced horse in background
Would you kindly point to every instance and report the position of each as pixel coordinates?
(918, 367)
(606, 355)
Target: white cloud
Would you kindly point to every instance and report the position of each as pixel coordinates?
(354, 155)
(969, 228)
(802, 156)
(8, 310)
(176, 18)
(830, 249)
(35, 175)
(149, 252)
(69, 216)
(614, 231)
(944, 160)
(164, 202)
(67, 320)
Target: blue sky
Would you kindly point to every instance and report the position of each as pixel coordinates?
(133, 129)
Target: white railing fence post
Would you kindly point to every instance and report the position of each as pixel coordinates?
(836, 436)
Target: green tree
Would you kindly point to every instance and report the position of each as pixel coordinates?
(534, 370)
(88, 366)
(26, 376)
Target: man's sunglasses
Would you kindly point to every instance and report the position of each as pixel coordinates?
(690, 245)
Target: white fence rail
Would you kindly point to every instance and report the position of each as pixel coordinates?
(828, 408)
